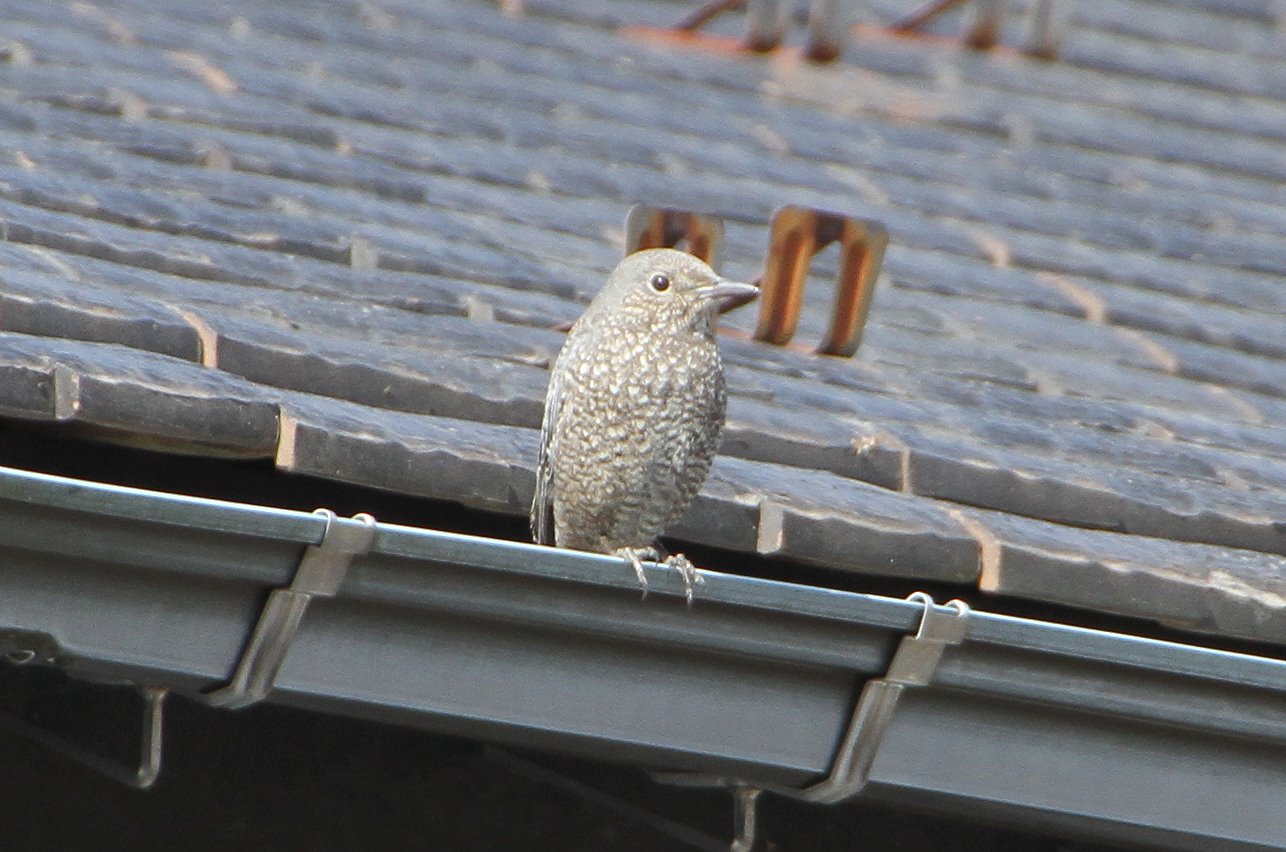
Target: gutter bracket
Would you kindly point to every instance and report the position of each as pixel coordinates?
(913, 665)
(320, 573)
(151, 743)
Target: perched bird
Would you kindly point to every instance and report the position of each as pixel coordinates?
(634, 410)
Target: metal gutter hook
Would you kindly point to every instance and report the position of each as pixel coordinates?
(151, 743)
(745, 816)
(913, 665)
(320, 573)
(798, 233)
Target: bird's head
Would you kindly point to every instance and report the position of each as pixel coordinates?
(666, 287)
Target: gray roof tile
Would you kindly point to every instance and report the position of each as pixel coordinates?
(1190, 586)
(252, 229)
(163, 401)
(40, 304)
(476, 464)
(817, 518)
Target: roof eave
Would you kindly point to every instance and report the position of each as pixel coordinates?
(1104, 733)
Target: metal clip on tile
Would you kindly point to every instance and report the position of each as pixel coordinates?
(665, 227)
(320, 573)
(798, 233)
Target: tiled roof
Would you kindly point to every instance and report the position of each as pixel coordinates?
(343, 235)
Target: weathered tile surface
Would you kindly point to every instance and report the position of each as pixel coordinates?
(478, 464)
(344, 236)
(1190, 586)
(821, 519)
(163, 400)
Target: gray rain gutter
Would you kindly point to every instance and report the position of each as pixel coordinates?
(1064, 728)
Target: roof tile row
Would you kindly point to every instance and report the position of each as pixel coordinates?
(290, 236)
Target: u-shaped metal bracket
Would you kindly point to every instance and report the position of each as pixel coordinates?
(913, 665)
(151, 743)
(799, 233)
(768, 20)
(319, 575)
(665, 227)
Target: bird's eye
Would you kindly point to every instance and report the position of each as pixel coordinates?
(660, 282)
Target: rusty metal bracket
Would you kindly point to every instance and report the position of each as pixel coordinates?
(1047, 24)
(1047, 21)
(827, 28)
(988, 19)
(765, 24)
(665, 227)
(798, 233)
(707, 13)
(767, 20)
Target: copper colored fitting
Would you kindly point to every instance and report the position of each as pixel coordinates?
(665, 227)
(798, 233)
(989, 17)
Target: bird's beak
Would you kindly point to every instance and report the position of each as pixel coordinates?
(729, 294)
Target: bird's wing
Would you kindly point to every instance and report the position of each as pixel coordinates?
(542, 504)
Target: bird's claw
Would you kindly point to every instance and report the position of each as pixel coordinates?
(634, 557)
(691, 577)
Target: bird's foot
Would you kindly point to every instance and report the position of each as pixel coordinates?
(634, 557)
(691, 577)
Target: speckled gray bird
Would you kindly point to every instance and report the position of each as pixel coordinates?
(634, 410)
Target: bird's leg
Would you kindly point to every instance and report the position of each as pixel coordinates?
(634, 557)
(691, 577)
